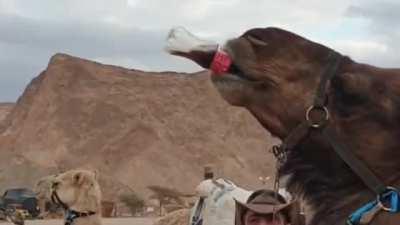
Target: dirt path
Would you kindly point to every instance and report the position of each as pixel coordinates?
(113, 221)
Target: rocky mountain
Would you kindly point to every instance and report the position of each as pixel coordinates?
(136, 128)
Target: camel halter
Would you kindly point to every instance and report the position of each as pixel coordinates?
(388, 198)
(70, 214)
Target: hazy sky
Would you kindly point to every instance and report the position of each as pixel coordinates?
(131, 33)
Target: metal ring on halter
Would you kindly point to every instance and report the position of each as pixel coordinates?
(380, 204)
(319, 123)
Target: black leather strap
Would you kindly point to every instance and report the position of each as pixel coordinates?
(356, 165)
(56, 200)
(295, 136)
(329, 134)
(302, 130)
(334, 60)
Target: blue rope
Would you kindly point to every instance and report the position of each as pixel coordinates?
(391, 196)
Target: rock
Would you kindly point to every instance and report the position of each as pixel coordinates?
(5, 109)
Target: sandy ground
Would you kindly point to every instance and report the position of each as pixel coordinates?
(113, 221)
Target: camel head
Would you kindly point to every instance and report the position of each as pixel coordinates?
(272, 72)
(79, 190)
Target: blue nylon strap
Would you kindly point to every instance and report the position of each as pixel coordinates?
(394, 201)
(359, 213)
(392, 197)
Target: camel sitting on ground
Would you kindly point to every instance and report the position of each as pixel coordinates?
(78, 192)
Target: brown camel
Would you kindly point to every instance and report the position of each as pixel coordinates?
(275, 74)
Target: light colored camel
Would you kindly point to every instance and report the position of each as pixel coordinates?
(78, 192)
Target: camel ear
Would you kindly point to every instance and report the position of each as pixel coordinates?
(256, 41)
(79, 178)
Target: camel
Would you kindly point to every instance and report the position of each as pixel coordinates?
(339, 120)
(77, 192)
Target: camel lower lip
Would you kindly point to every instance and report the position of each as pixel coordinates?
(217, 74)
(229, 77)
(234, 76)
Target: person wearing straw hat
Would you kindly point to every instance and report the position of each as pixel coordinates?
(263, 207)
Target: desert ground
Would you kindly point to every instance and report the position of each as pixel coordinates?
(110, 221)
